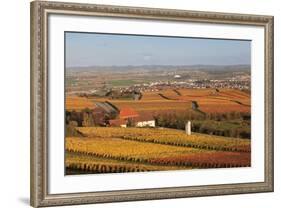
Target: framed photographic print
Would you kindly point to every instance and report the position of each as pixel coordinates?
(142, 103)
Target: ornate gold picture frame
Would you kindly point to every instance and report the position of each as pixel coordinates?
(40, 85)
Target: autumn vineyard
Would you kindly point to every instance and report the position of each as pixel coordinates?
(138, 103)
(150, 134)
(105, 150)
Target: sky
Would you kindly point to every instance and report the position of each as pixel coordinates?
(93, 49)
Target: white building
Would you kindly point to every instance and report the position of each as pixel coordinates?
(149, 123)
(177, 76)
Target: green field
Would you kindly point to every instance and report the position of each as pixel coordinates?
(122, 82)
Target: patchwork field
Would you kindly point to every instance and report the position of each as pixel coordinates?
(108, 150)
(165, 101)
(114, 149)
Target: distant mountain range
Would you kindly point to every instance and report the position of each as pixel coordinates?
(163, 68)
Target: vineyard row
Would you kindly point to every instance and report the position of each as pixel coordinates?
(196, 164)
(191, 145)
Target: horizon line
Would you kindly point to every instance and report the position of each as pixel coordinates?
(130, 65)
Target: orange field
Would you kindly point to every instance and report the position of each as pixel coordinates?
(225, 100)
(155, 95)
(78, 103)
(209, 101)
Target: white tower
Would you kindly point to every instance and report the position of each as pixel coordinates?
(188, 128)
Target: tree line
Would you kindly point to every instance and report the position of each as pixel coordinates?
(230, 124)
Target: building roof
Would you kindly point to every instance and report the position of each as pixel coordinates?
(128, 113)
(122, 121)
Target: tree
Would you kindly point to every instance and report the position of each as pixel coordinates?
(88, 118)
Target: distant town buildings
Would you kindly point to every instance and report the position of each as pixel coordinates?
(239, 81)
(177, 76)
